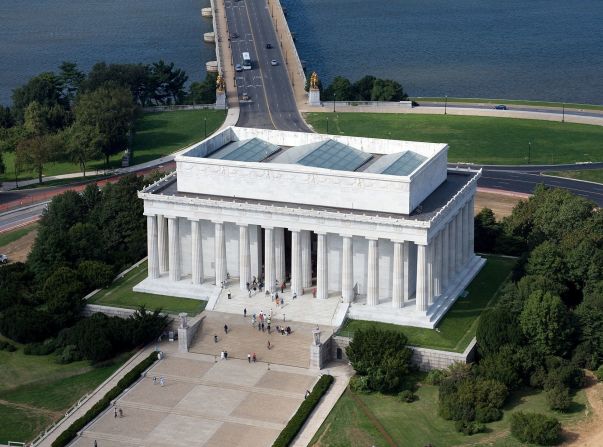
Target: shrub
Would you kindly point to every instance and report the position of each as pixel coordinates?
(95, 274)
(559, 398)
(488, 414)
(65, 438)
(69, 354)
(48, 347)
(407, 396)
(6, 346)
(469, 427)
(435, 377)
(303, 412)
(599, 373)
(25, 324)
(359, 384)
(535, 428)
(495, 329)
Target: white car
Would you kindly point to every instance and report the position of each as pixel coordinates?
(273, 62)
(3, 259)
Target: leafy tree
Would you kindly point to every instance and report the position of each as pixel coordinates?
(169, 82)
(545, 322)
(387, 90)
(45, 89)
(203, 92)
(84, 243)
(535, 428)
(6, 117)
(26, 324)
(502, 366)
(16, 286)
(63, 293)
(71, 79)
(362, 89)
(136, 78)
(589, 315)
(487, 231)
(558, 398)
(111, 111)
(382, 356)
(495, 329)
(95, 274)
(84, 143)
(546, 260)
(340, 89)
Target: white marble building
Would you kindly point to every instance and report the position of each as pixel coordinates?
(381, 225)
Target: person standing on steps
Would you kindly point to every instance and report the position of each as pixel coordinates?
(245, 313)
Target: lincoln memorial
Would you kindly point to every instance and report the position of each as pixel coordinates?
(382, 229)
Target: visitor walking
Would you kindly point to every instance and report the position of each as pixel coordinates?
(253, 357)
(115, 412)
(226, 329)
(225, 355)
(283, 285)
(154, 380)
(294, 295)
(245, 313)
(282, 301)
(314, 292)
(161, 381)
(248, 358)
(229, 294)
(215, 338)
(121, 413)
(268, 345)
(95, 444)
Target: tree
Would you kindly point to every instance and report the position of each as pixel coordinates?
(545, 322)
(487, 231)
(95, 274)
(547, 261)
(340, 89)
(535, 428)
(495, 329)
(363, 88)
(84, 143)
(6, 117)
(71, 79)
(387, 90)
(169, 82)
(203, 92)
(46, 89)
(111, 111)
(134, 77)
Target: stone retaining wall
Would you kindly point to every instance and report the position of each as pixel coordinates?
(425, 359)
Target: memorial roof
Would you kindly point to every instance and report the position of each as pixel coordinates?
(397, 164)
(252, 149)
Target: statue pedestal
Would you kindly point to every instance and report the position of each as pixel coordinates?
(314, 97)
(220, 99)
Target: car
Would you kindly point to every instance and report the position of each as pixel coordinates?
(238, 67)
(500, 107)
(268, 46)
(234, 36)
(273, 62)
(3, 259)
(244, 96)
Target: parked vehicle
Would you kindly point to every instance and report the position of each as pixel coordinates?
(500, 107)
(3, 259)
(238, 67)
(273, 62)
(268, 46)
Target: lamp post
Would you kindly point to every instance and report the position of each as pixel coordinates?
(529, 151)
(205, 125)
(327, 124)
(563, 113)
(445, 104)
(334, 96)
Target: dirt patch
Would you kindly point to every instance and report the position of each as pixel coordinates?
(17, 251)
(501, 203)
(588, 433)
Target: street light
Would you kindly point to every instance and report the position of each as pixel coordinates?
(334, 96)
(205, 125)
(563, 114)
(327, 124)
(445, 104)
(529, 151)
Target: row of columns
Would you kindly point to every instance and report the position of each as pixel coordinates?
(437, 262)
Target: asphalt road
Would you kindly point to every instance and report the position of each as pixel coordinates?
(271, 102)
(520, 108)
(19, 217)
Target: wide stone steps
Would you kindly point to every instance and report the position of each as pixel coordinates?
(118, 439)
(201, 415)
(232, 386)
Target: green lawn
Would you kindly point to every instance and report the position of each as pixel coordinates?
(458, 327)
(519, 102)
(120, 294)
(592, 175)
(35, 390)
(11, 236)
(477, 139)
(157, 134)
(417, 424)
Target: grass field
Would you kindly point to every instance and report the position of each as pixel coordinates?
(120, 294)
(458, 327)
(36, 391)
(157, 134)
(519, 102)
(592, 175)
(476, 139)
(417, 424)
(13, 235)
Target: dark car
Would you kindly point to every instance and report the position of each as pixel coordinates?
(500, 107)
(268, 46)
(234, 36)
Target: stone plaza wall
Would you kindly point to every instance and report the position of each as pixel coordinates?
(425, 359)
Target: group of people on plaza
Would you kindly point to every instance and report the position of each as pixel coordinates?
(161, 380)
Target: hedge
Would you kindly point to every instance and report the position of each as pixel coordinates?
(303, 412)
(68, 435)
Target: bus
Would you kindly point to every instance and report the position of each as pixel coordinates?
(246, 61)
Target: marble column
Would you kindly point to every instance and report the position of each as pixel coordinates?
(220, 250)
(322, 275)
(306, 258)
(296, 263)
(152, 250)
(279, 254)
(269, 271)
(471, 223)
(437, 269)
(398, 276)
(347, 270)
(459, 241)
(445, 256)
(452, 249)
(430, 271)
(407, 270)
(196, 252)
(372, 283)
(255, 243)
(162, 243)
(421, 294)
(174, 248)
(244, 257)
(465, 234)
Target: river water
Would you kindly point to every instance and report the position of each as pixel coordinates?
(36, 35)
(528, 49)
(532, 49)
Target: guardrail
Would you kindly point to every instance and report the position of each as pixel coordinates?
(217, 34)
(173, 108)
(396, 104)
(51, 428)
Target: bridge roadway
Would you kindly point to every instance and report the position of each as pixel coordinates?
(271, 102)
